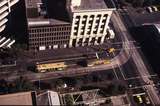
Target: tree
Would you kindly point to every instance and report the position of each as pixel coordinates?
(22, 84)
(60, 83)
(122, 2)
(95, 78)
(69, 100)
(110, 76)
(108, 101)
(3, 86)
(111, 88)
(149, 2)
(121, 89)
(138, 3)
(70, 81)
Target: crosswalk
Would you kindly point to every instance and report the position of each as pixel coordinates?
(6, 42)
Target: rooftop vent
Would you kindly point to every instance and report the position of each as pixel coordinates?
(75, 3)
(41, 9)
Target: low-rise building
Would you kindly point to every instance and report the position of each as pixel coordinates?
(22, 98)
(50, 98)
(45, 33)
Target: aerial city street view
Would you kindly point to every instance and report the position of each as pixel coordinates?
(80, 52)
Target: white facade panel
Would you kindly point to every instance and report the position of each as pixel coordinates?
(5, 6)
(42, 48)
(90, 26)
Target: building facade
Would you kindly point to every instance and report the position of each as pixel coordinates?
(90, 19)
(45, 33)
(5, 9)
(49, 36)
(88, 24)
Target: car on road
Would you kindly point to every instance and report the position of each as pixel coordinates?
(149, 9)
(139, 99)
(147, 100)
(154, 8)
(98, 62)
(111, 50)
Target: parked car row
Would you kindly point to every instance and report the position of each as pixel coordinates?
(152, 9)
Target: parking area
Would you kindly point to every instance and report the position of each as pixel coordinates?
(153, 8)
(141, 15)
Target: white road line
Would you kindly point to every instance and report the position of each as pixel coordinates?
(119, 67)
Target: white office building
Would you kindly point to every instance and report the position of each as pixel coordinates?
(5, 9)
(90, 19)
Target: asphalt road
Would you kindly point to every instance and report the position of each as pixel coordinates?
(142, 69)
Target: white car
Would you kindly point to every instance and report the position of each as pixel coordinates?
(149, 9)
(147, 100)
(154, 8)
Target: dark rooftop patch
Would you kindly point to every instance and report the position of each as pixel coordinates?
(57, 9)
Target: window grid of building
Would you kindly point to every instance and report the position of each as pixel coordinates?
(89, 29)
(49, 36)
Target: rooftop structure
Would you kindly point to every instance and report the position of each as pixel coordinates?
(23, 98)
(33, 22)
(33, 3)
(90, 5)
(50, 98)
(36, 11)
(93, 97)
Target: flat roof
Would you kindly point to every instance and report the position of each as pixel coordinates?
(94, 5)
(48, 98)
(23, 98)
(33, 22)
(56, 13)
(34, 19)
(32, 3)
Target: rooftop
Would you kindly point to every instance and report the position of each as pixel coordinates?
(48, 98)
(94, 5)
(23, 98)
(33, 22)
(44, 12)
(32, 3)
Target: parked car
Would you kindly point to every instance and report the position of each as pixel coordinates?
(149, 9)
(154, 8)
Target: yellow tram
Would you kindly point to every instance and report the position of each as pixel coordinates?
(57, 66)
